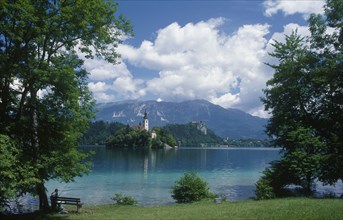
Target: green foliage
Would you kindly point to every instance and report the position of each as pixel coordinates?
(45, 102)
(289, 124)
(264, 190)
(248, 143)
(328, 81)
(99, 131)
(305, 97)
(190, 188)
(190, 135)
(299, 166)
(129, 138)
(121, 199)
(304, 161)
(162, 138)
(15, 177)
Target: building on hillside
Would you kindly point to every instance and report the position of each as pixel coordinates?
(200, 126)
(153, 135)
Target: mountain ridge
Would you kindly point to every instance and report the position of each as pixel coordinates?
(227, 123)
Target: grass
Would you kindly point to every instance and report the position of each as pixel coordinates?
(289, 208)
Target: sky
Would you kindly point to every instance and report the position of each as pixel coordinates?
(199, 49)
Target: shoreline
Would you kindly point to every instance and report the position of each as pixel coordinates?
(190, 147)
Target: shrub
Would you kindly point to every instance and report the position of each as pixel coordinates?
(222, 197)
(190, 188)
(264, 190)
(121, 199)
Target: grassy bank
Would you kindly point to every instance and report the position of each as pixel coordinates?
(291, 208)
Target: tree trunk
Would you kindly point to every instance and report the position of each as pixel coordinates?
(43, 198)
(309, 182)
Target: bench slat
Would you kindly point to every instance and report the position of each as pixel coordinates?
(68, 198)
(69, 201)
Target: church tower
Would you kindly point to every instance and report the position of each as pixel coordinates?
(145, 121)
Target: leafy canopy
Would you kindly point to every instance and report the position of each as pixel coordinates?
(45, 104)
(305, 97)
(190, 188)
(139, 138)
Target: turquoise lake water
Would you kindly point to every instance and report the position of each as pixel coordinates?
(148, 175)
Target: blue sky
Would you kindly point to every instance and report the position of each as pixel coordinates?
(212, 50)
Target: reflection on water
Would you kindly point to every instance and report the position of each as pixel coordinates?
(148, 175)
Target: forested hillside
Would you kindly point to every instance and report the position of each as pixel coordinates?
(190, 135)
(99, 131)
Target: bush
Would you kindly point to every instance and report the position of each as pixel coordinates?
(222, 197)
(121, 199)
(190, 188)
(264, 190)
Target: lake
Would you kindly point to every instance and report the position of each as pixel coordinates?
(148, 175)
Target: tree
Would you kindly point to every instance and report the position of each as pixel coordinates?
(129, 138)
(45, 104)
(327, 41)
(190, 188)
(290, 97)
(162, 138)
(99, 131)
(305, 97)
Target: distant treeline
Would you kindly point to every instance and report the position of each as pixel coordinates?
(248, 143)
(99, 131)
(190, 134)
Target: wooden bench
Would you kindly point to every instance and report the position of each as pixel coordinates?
(69, 201)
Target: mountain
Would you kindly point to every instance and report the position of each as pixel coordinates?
(227, 123)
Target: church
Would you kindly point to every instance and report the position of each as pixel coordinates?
(145, 125)
(145, 121)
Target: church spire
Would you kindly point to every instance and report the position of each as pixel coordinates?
(146, 121)
(145, 115)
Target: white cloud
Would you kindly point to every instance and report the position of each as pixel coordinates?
(123, 87)
(99, 90)
(225, 100)
(103, 76)
(198, 61)
(260, 112)
(102, 97)
(290, 7)
(98, 87)
(128, 87)
(195, 61)
(110, 82)
(100, 69)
